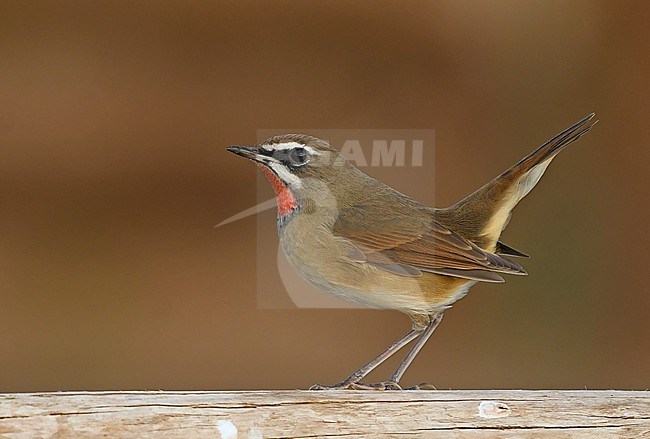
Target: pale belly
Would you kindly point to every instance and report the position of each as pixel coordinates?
(321, 259)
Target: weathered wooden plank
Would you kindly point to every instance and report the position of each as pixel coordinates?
(349, 414)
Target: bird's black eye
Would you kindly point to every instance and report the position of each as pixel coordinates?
(298, 156)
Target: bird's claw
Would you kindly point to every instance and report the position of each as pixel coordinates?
(384, 385)
(422, 386)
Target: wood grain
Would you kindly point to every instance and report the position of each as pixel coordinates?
(348, 414)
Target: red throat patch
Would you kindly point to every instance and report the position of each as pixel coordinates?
(283, 196)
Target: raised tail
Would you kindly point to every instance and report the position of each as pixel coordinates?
(482, 216)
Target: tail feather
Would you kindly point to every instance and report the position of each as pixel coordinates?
(552, 147)
(482, 216)
(505, 250)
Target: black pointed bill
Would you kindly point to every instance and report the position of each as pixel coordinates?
(249, 152)
(252, 153)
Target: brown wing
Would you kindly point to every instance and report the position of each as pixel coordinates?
(405, 244)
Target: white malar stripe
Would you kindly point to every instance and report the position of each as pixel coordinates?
(289, 145)
(285, 175)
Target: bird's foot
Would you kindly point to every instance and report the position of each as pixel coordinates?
(422, 386)
(344, 385)
(383, 385)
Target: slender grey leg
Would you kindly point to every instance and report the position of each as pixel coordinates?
(410, 356)
(372, 364)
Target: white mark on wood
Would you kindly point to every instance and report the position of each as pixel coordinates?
(227, 429)
(493, 409)
(255, 433)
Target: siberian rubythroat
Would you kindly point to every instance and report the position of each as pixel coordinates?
(361, 240)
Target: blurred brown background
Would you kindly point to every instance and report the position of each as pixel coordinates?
(113, 121)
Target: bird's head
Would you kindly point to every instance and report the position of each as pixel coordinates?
(299, 168)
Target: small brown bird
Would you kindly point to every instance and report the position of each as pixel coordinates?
(361, 240)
